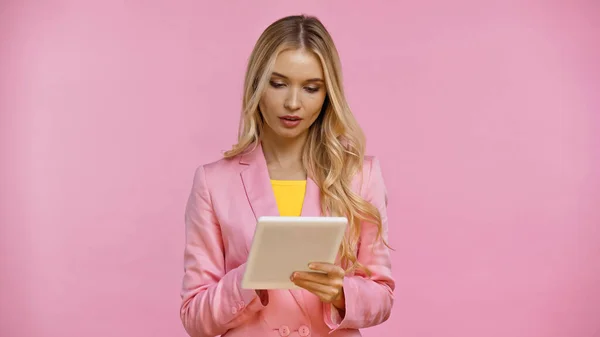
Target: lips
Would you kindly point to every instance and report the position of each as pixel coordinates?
(291, 118)
(290, 121)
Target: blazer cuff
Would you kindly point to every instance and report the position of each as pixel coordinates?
(247, 298)
(331, 314)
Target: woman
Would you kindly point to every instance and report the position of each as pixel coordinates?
(300, 152)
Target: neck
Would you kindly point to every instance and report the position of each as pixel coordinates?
(283, 153)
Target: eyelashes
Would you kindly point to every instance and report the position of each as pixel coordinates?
(278, 85)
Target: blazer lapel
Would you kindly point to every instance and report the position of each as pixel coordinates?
(259, 191)
(312, 199)
(257, 184)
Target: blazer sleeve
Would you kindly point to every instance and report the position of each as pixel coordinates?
(212, 299)
(369, 300)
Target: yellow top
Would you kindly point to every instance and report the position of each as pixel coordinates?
(289, 195)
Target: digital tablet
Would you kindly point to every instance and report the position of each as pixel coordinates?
(282, 245)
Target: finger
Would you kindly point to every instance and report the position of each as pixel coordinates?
(329, 268)
(316, 277)
(323, 297)
(324, 292)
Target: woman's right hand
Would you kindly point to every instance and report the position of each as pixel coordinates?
(263, 295)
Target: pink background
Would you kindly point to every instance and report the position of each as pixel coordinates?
(484, 115)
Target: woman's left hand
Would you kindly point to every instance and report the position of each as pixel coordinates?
(328, 287)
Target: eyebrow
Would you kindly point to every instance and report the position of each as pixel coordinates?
(309, 80)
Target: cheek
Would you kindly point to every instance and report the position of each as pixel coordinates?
(315, 105)
(270, 103)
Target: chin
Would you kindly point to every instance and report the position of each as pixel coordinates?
(290, 134)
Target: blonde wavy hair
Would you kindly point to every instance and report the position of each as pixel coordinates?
(335, 148)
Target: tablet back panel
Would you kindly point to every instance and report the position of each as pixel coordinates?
(282, 245)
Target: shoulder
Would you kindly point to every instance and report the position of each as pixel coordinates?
(371, 168)
(216, 171)
(369, 162)
(222, 166)
(370, 180)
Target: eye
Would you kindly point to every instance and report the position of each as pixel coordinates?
(276, 84)
(312, 89)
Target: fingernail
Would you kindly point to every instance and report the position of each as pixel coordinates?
(311, 265)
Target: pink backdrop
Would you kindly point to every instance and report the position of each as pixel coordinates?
(484, 115)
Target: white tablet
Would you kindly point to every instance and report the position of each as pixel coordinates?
(282, 245)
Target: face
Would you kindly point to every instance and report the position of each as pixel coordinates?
(294, 95)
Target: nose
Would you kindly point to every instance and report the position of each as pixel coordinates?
(292, 101)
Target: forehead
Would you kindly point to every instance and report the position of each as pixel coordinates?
(298, 64)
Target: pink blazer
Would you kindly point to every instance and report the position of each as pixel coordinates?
(226, 199)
